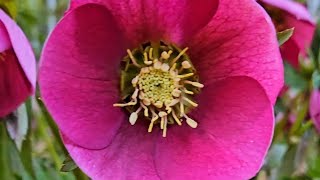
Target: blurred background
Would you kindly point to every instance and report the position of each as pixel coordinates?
(34, 150)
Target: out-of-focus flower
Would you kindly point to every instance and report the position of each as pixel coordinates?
(315, 108)
(239, 75)
(17, 66)
(287, 14)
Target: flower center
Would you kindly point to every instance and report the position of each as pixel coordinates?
(158, 82)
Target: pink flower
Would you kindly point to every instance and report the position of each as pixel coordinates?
(315, 108)
(232, 45)
(287, 14)
(17, 66)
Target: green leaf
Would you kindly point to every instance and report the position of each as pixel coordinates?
(316, 79)
(284, 36)
(293, 78)
(68, 165)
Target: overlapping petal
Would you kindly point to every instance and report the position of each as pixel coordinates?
(171, 20)
(17, 65)
(231, 141)
(80, 73)
(239, 40)
(129, 156)
(235, 130)
(14, 86)
(21, 47)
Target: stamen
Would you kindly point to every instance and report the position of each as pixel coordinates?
(157, 65)
(158, 104)
(186, 65)
(185, 75)
(160, 87)
(164, 132)
(134, 116)
(133, 59)
(196, 84)
(180, 54)
(176, 118)
(165, 67)
(146, 59)
(146, 110)
(192, 123)
(151, 53)
(176, 93)
(187, 91)
(190, 102)
(165, 55)
(146, 101)
(134, 81)
(181, 109)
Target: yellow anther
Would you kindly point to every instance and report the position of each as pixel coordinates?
(165, 67)
(176, 93)
(162, 114)
(158, 104)
(157, 65)
(190, 102)
(186, 65)
(180, 54)
(192, 123)
(165, 55)
(134, 81)
(134, 116)
(133, 59)
(145, 70)
(146, 101)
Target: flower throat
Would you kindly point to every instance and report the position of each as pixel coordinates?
(158, 82)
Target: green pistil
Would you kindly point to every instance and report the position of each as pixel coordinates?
(158, 81)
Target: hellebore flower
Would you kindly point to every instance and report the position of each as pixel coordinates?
(315, 108)
(199, 81)
(17, 66)
(287, 14)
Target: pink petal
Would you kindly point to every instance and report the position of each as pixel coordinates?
(239, 40)
(234, 133)
(302, 37)
(315, 108)
(14, 86)
(21, 47)
(79, 76)
(294, 8)
(129, 156)
(290, 52)
(5, 43)
(169, 20)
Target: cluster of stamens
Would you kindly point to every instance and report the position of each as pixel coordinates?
(163, 81)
